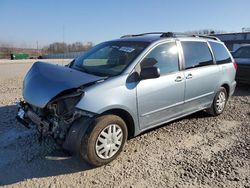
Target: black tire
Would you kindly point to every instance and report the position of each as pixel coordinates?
(89, 141)
(214, 109)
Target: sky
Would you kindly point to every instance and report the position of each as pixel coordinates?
(26, 22)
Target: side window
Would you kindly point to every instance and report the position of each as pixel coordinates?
(164, 56)
(196, 54)
(221, 54)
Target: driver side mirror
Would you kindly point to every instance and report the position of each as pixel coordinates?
(149, 73)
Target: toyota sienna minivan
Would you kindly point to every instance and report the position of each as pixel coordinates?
(121, 88)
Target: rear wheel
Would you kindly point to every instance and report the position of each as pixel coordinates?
(219, 102)
(105, 141)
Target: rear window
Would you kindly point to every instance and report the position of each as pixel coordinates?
(221, 54)
(196, 54)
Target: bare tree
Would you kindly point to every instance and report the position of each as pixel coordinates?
(59, 47)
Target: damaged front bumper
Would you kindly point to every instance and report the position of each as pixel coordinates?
(48, 125)
(21, 115)
(26, 117)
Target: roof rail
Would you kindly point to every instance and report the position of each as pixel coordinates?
(172, 34)
(142, 34)
(206, 36)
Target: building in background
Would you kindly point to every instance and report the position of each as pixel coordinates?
(234, 40)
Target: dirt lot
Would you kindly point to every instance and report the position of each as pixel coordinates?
(197, 151)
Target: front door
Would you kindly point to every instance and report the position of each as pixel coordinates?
(162, 98)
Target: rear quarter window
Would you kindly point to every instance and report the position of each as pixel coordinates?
(220, 53)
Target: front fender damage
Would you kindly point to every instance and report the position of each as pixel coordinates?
(77, 135)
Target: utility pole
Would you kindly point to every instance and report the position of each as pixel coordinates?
(37, 51)
(63, 44)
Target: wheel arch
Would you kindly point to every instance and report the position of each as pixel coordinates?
(227, 87)
(126, 116)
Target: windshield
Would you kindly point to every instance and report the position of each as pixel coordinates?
(243, 52)
(109, 58)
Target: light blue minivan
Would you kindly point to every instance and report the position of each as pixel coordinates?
(120, 88)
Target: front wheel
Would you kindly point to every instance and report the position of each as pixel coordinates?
(219, 102)
(105, 140)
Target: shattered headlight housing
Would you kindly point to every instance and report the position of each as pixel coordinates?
(64, 104)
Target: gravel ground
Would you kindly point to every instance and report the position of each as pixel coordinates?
(196, 151)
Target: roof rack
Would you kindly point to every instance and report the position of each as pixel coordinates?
(163, 34)
(172, 35)
(206, 36)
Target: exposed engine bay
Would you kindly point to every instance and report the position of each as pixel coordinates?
(57, 116)
(51, 94)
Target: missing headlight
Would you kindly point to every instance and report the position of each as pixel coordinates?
(64, 104)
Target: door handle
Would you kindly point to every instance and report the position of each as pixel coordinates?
(178, 79)
(189, 76)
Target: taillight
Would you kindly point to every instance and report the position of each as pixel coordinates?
(235, 65)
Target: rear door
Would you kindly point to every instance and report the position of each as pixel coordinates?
(201, 75)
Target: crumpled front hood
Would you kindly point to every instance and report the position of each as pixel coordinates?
(44, 81)
(242, 61)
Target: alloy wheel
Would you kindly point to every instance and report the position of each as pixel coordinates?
(221, 101)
